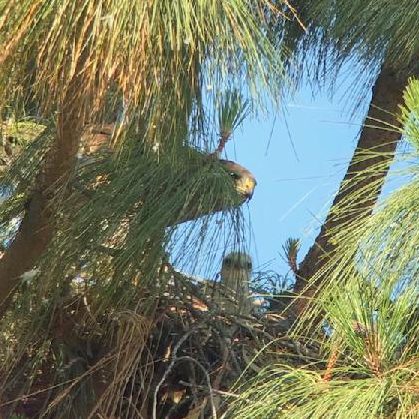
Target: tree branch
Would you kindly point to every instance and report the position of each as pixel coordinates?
(38, 224)
(376, 146)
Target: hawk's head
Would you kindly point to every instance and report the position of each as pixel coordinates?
(244, 181)
(238, 260)
(236, 270)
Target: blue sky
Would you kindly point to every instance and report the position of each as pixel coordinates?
(299, 157)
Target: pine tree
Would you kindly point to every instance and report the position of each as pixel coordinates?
(145, 84)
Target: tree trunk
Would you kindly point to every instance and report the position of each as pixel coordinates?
(376, 146)
(38, 224)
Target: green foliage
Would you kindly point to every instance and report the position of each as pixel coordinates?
(381, 29)
(159, 67)
(233, 111)
(291, 248)
(149, 65)
(364, 33)
(147, 53)
(410, 114)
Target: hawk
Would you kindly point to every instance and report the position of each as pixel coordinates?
(232, 293)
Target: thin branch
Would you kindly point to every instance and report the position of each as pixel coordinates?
(170, 368)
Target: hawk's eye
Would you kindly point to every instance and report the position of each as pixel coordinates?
(234, 175)
(249, 265)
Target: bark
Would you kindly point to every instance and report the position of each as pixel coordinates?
(378, 145)
(38, 224)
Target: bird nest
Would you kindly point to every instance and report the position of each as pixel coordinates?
(182, 360)
(205, 352)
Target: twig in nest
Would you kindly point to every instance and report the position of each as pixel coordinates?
(170, 368)
(224, 365)
(207, 378)
(214, 390)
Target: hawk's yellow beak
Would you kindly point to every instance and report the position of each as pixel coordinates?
(245, 186)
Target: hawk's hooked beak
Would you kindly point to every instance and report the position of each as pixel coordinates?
(245, 186)
(244, 181)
